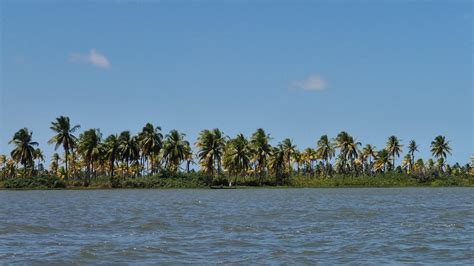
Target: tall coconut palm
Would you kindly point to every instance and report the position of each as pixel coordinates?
(277, 162)
(412, 148)
(440, 147)
(261, 149)
(342, 142)
(24, 151)
(298, 157)
(174, 149)
(325, 150)
(289, 150)
(348, 148)
(39, 156)
(353, 151)
(370, 152)
(237, 155)
(151, 143)
(188, 157)
(407, 163)
(394, 148)
(64, 137)
(210, 146)
(128, 149)
(89, 146)
(112, 152)
(309, 157)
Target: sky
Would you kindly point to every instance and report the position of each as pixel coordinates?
(298, 69)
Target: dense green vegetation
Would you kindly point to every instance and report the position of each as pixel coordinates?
(153, 160)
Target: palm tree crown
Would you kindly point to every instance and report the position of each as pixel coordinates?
(289, 150)
(440, 147)
(24, 151)
(210, 146)
(90, 147)
(174, 149)
(64, 136)
(237, 155)
(111, 151)
(261, 149)
(151, 143)
(394, 148)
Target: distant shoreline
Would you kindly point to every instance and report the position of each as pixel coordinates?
(392, 180)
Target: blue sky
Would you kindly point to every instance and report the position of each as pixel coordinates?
(298, 69)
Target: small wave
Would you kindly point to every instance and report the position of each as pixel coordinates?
(154, 225)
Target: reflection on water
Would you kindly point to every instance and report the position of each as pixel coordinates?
(386, 225)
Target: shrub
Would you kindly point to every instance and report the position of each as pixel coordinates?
(36, 182)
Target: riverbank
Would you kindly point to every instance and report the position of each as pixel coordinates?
(198, 181)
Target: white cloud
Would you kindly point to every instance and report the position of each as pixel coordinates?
(93, 57)
(313, 83)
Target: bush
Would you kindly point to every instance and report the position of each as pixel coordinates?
(34, 182)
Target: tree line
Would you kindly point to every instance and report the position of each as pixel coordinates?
(88, 155)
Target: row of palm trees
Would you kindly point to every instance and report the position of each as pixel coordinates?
(150, 152)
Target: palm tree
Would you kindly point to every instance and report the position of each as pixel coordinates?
(64, 137)
(151, 143)
(261, 149)
(412, 148)
(353, 151)
(394, 149)
(128, 148)
(342, 142)
(325, 150)
(211, 147)
(407, 163)
(90, 148)
(289, 149)
(440, 147)
(347, 147)
(39, 156)
(277, 162)
(174, 149)
(298, 160)
(111, 151)
(54, 166)
(237, 156)
(188, 156)
(309, 156)
(419, 165)
(382, 160)
(370, 153)
(24, 151)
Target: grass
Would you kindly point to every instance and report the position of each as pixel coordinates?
(200, 181)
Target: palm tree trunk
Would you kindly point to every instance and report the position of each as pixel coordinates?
(66, 159)
(393, 163)
(327, 166)
(112, 169)
(152, 165)
(289, 165)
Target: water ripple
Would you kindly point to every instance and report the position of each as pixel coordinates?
(284, 226)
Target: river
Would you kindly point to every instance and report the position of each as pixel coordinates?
(303, 226)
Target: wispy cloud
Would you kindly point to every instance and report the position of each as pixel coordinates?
(313, 83)
(93, 57)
